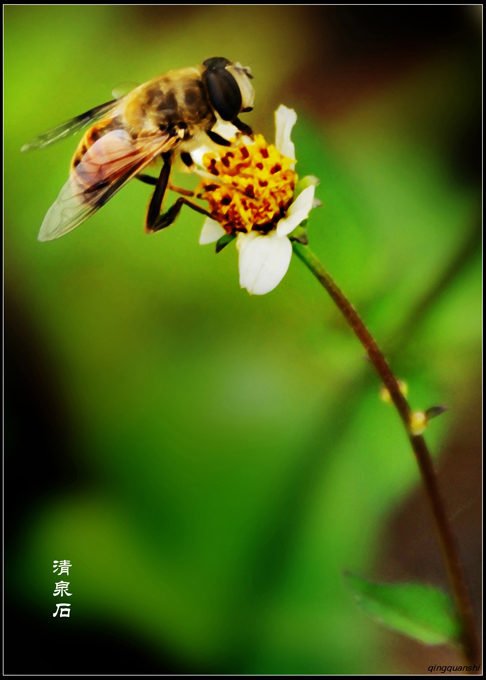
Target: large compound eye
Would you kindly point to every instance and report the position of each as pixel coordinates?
(216, 63)
(223, 90)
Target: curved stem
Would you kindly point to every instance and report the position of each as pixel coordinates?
(457, 579)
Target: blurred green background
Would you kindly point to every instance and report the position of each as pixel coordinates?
(208, 461)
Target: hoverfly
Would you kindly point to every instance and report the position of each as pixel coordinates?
(167, 117)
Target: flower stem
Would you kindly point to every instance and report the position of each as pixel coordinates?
(457, 580)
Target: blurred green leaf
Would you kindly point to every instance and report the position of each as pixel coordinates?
(421, 612)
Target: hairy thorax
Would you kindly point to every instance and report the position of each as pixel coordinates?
(175, 103)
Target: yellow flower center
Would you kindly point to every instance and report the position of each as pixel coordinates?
(252, 189)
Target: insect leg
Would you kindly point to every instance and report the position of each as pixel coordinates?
(243, 127)
(169, 217)
(148, 179)
(217, 138)
(158, 195)
(186, 158)
(182, 192)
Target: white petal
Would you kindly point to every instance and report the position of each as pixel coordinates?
(198, 153)
(247, 141)
(285, 120)
(211, 232)
(298, 212)
(263, 261)
(225, 129)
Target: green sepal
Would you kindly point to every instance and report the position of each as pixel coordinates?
(421, 612)
(300, 233)
(307, 181)
(223, 241)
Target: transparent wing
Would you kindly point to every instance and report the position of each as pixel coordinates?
(105, 168)
(70, 127)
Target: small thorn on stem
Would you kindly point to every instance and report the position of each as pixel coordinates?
(435, 411)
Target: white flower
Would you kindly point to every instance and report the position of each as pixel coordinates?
(265, 259)
(253, 197)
